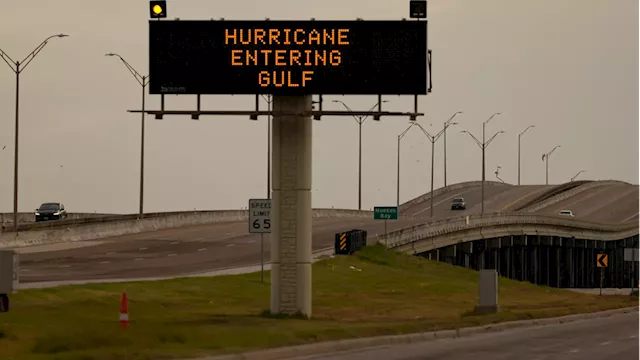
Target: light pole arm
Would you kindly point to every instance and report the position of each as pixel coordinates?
(474, 138)
(491, 138)
(426, 133)
(525, 130)
(8, 60)
(405, 132)
(142, 80)
(27, 60)
(552, 150)
(446, 124)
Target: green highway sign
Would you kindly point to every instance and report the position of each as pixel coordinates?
(385, 213)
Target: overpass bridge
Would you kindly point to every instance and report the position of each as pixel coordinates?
(122, 246)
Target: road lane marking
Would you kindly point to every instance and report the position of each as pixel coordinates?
(632, 337)
(574, 350)
(105, 262)
(142, 248)
(251, 241)
(203, 249)
(25, 270)
(605, 343)
(174, 243)
(65, 266)
(227, 234)
(632, 216)
(171, 255)
(111, 253)
(228, 245)
(138, 259)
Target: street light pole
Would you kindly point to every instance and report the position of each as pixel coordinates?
(483, 146)
(143, 80)
(545, 158)
(360, 120)
(576, 175)
(18, 67)
(444, 134)
(433, 140)
(398, 174)
(519, 136)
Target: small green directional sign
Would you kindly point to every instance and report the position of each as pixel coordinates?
(385, 213)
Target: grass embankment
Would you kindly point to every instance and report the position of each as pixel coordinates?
(374, 293)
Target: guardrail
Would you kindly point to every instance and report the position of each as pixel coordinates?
(459, 186)
(445, 228)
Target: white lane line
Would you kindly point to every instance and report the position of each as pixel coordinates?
(142, 248)
(171, 255)
(203, 249)
(605, 343)
(574, 350)
(25, 270)
(228, 245)
(105, 262)
(632, 216)
(173, 243)
(138, 259)
(111, 253)
(64, 266)
(251, 241)
(227, 234)
(632, 337)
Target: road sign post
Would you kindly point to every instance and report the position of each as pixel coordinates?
(385, 213)
(260, 223)
(631, 255)
(602, 261)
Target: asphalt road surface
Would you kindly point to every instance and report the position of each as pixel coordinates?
(610, 338)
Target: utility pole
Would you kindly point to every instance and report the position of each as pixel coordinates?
(545, 158)
(360, 119)
(483, 146)
(143, 81)
(398, 174)
(444, 134)
(519, 136)
(18, 67)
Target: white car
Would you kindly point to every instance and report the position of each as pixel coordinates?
(566, 213)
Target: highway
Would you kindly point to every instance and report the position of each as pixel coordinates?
(195, 249)
(608, 204)
(609, 338)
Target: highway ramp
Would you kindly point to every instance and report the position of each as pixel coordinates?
(608, 203)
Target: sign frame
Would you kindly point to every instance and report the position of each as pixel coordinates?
(259, 223)
(381, 57)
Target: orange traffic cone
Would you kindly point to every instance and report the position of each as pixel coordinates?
(124, 311)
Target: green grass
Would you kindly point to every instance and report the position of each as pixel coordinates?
(385, 293)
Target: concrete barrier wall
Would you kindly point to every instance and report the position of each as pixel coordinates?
(91, 229)
(28, 217)
(474, 227)
(567, 194)
(437, 192)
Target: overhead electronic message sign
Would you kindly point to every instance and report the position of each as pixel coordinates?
(288, 57)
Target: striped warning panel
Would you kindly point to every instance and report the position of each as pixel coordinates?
(343, 241)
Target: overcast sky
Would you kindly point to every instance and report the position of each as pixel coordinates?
(569, 67)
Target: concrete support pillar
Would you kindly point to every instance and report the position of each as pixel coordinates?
(466, 260)
(548, 267)
(536, 268)
(572, 269)
(291, 206)
(558, 266)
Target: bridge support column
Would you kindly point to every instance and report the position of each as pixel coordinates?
(536, 268)
(548, 268)
(572, 276)
(291, 202)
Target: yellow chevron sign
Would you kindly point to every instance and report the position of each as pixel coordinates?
(343, 241)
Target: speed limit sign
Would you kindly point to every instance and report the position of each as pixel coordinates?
(259, 216)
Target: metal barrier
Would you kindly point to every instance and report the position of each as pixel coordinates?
(348, 242)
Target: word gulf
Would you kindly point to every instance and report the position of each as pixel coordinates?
(321, 54)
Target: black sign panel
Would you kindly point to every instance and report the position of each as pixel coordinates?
(288, 57)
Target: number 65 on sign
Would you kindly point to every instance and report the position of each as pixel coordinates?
(259, 216)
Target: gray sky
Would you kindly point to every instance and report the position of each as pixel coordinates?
(570, 67)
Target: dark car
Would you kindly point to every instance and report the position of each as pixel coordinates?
(50, 211)
(458, 204)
